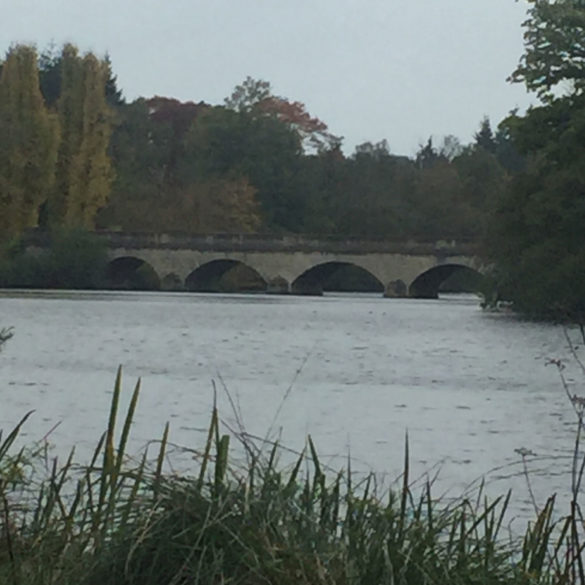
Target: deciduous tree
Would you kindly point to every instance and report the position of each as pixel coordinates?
(554, 56)
(232, 144)
(248, 95)
(175, 118)
(28, 143)
(84, 172)
(538, 240)
(255, 97)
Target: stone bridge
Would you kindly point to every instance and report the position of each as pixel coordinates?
(286, 264)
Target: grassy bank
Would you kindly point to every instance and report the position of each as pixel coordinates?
(119, 521)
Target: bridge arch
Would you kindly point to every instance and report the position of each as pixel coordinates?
(132, 273)
(225, 275)
(428, 284)
(336, 276)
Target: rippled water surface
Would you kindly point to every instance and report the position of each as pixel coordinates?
(355, 372)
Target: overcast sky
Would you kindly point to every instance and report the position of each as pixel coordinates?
(371, 69)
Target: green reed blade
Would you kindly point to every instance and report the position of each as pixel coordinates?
(207, 450)
(126, 428)
(161, 456)
(315, 458)
(109, 456)
(100, 514)
(292, 480)
(7, 443)
(405, 490)
(221, 461)
(130, 501)
(272, 457)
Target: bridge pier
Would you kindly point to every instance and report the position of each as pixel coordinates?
(278, 286)
(309, 291)
(172, 282)
(396, 289)
(308, 287)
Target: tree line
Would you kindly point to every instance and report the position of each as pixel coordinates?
(261, 163)
(74, 153)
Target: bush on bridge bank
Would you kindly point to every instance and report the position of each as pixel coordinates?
(74, 260)
(114, 522)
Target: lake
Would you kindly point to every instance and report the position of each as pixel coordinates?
(356, 372)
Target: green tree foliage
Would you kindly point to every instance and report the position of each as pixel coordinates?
(428, 156)
(320, 183)
(254, 97)
(483, 180)
(538, 240)
(84, 172)
(248, 95)
(210, 206)
(166, 176)
(50, 75)
(140, 148)
(451, 147)
(73, 259)
(261, 149)
(507, 151)
(554, 56)
(28, 143)
(373, 193)
(444, 193)
(114, 95)
(484, 169)
(455, 187)
(50, 65)
(175, 118)
(433, 205)
(537, 236)
(484, 137)
(222, 205)
(260, 162)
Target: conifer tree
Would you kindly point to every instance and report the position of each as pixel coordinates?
(28, 148)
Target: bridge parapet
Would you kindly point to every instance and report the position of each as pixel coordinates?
(270, 243)
(287, 243)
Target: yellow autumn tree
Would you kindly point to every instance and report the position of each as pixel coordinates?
(28, 146)
(225, 205)
(212, 206)
(84, 172)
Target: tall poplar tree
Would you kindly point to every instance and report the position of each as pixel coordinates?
(28, 148)
(84, 173)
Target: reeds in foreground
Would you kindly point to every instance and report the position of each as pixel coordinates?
(116, 523)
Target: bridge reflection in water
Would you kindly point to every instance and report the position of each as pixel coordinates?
(282, 265)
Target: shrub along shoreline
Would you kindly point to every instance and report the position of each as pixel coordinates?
(114, 522)
(74, 260)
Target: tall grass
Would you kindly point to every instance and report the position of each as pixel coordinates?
(119, 522)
